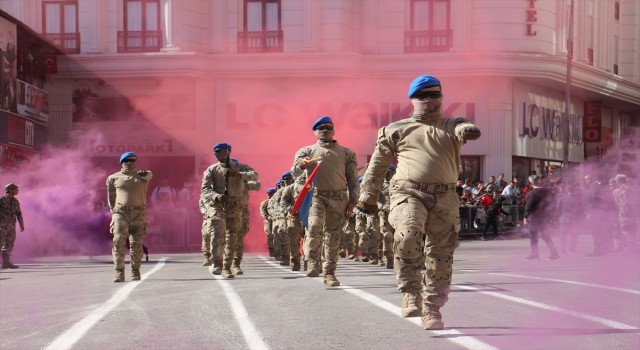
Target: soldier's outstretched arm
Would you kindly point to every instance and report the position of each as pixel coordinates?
(465, 130)
(303, 153)
(111, 194)
(377, 169)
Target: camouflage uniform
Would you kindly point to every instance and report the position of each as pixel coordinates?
(627, 215)
(368, 228)
(9, 213)
(291, 242)
(250, 185)
(330, 200)
(203, 205)
(280, 227)
(127, 198)
(386, 230)
(268, 224)
(348, 237)
(224, 191)
(423, 202)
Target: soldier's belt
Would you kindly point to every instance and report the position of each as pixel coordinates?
(337, 193)
(427, 187)
(131, 207)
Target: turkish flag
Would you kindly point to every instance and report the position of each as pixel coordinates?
(486, 200)
(51, 64)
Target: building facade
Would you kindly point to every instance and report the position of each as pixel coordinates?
(170, 78)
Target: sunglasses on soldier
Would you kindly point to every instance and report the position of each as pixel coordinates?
(130, 160)
(325, 127)
(423, 95)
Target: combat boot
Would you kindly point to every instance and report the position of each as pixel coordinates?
(331, 280)
(342, 254)
(390, 262)
(411, 304)
(374, 260)
(271, 253)
(236, 269)
(6, 262)
(207, 260)
(365, 258)
(285, 261)
(217, 268)
(352, 256)
(312, 269)
(296, 264)
(226, 273)
(119, 275)
(432, 318)
(135, 274)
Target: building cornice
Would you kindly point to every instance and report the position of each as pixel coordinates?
(543, 69)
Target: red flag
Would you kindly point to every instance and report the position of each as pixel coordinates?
(485, 199)
(51, 64)
(308, 185)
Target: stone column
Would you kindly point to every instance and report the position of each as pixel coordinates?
(169, 15)
(96, 12)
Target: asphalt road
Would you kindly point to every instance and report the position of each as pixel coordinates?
(498, 301)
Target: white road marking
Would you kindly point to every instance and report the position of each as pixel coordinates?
(624, 290)
(596, 319)
(467, 342)
(249, 330)
(67, 339)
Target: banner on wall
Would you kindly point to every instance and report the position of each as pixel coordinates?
(20, 131)
(8, 66)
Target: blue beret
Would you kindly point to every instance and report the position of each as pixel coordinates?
(278, 182)
(323, 120)
(360, 178)
(222, 146)
(287, 174)
(392, 167)
(421, 82)
(271, 190)
(126, 155)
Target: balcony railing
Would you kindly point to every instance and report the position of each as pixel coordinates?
(264, 41)
(139, 41)
(68, 42)
(428, 41)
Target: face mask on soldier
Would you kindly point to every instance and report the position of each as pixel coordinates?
(426, 107)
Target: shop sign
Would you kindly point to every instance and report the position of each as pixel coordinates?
(32, 101)
(20, 131)
(592, 124)
(137, 145)
(547, 123)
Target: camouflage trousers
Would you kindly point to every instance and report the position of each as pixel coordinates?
(425, 233)
(347, 236)
(244, 229)
(280, 228)
(294, 233)
(368, 228)
(386, 234)
(269, 232)
(7, 238)
(206, 238)
(225, 220)
(326, 220)
(131, 224)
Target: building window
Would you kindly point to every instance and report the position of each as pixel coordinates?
(262, 27)
(141, 27)
(470, 168)
(429, 26)
(60, 24)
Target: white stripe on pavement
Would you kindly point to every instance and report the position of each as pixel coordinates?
(67, 339)
(596, 319)
(463, 340)
(624, 290)
(249, 330)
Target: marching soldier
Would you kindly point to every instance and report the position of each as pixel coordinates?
(424, 203)
(249, 185)
(127, 198)
(334, 197)
(9, 213)
(267, 221)
(222, 186)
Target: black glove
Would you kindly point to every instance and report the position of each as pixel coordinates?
(367, 208)
(469, 134)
